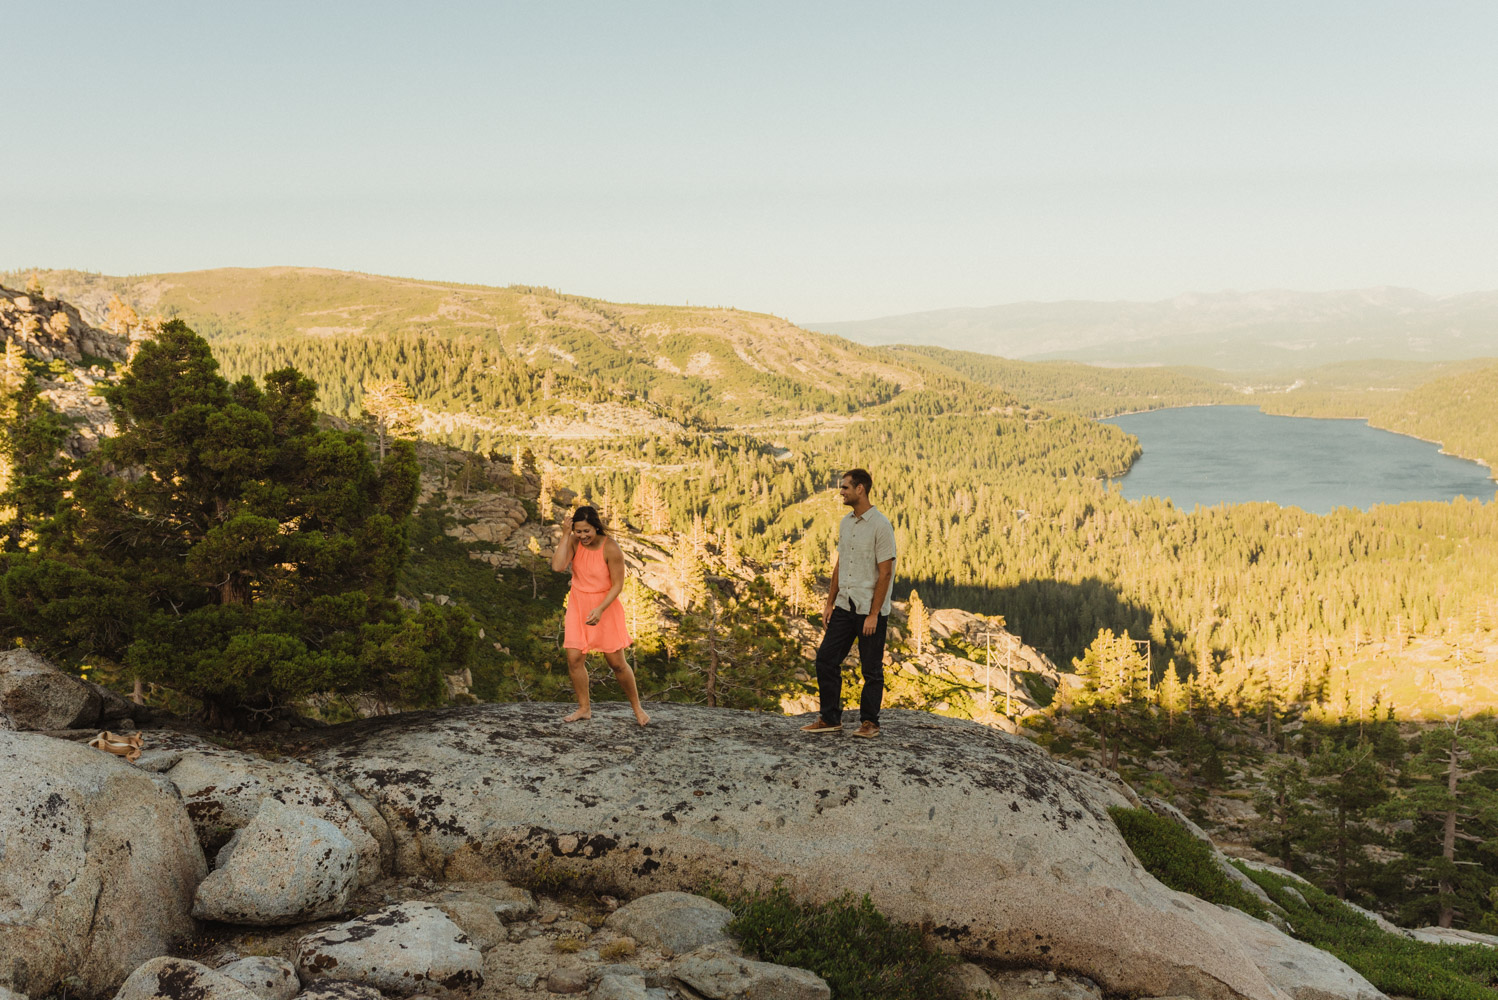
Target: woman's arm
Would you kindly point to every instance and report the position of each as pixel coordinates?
(562, 557)
(613, 557)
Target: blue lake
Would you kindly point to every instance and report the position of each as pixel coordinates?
(1208, 455)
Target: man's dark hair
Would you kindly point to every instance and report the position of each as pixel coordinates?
(860, 477)
(591, 516)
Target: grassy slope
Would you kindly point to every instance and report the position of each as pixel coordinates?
(742, 364)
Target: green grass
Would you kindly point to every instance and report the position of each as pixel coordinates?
(1396, 965)
(861, 953)
(1181, 861)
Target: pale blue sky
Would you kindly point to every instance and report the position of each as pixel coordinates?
(821, 161)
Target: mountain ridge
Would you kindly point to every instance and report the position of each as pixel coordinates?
(1232, 330)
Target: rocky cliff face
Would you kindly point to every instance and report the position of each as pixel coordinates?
(79, 356)
(1003, 853)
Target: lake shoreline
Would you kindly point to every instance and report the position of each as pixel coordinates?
(1213, 454)
(1492, 472)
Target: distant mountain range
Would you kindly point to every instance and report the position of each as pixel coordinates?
(1229, 330)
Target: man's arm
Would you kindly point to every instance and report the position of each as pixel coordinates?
(881, 587)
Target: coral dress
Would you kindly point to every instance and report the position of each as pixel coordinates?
(590, 584)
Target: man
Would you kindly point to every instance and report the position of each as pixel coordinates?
(857, 608)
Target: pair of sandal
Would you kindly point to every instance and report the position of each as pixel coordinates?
(128, 747)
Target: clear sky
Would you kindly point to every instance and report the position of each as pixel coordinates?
(816, 160)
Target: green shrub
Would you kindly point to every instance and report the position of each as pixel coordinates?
(1170, 853)
(861, 953)
(1394, 964)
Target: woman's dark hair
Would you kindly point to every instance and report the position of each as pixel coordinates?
(590, 515)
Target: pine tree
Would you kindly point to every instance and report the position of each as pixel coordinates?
(739, 648)
(1287, 823)
(687, 578)
(389, 409)
(33, 467)
(731, 557)
(641, 614)
(1170, 693)
(221, 545)
(122, 319)
(1346, 782)
(918, 623)
(546, 494)
(1115, 690)
(1449, 788)
(659, 515)
(609, 510)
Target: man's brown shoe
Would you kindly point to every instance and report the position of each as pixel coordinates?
(868, 729)
(821, 726)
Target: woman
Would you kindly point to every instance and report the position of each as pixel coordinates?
(595, 618)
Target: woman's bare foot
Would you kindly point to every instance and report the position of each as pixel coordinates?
(641, 717)
(580, 716)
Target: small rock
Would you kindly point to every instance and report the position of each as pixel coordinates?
(6, 994)
(621, 988)
(624, 971)
(178, 978)
(720, 976)
(268, 978)
(477, 920)
(968, 980)
(674, 922)
(526, 980)
(573, 928)
(515, 909)
(401, 949)
(1028, 984)
(339, 989)
(572, 979)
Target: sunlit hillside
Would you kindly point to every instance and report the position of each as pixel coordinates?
(717, 361)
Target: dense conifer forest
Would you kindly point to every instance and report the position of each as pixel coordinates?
(1282, 657)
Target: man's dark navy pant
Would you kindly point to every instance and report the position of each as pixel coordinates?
(842, 629)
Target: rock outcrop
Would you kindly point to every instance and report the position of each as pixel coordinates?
(1301, 970)
(50, 329)
(286, 867)
(77, 354)
(98, 865)
(35, 695)
(1008, 854)
(224, 789)
(1002, 852)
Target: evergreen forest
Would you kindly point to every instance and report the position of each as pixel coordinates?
(1338, 672)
